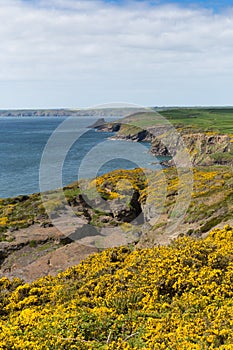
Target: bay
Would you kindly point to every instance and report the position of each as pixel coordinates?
(23, 141)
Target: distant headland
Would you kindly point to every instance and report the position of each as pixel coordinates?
(65, 112)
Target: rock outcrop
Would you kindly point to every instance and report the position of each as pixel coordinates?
(101, 122)
(205, 148)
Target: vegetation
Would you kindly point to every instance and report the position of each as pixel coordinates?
(24, 211)
(211, 201)
(19, 212)
(172, 297)
(175, 296)
(219, 120)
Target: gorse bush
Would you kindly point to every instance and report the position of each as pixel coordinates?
(169, 297)
(211, 199)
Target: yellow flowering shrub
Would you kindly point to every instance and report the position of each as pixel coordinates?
(118, 183)
(3, 220)
(155, 193)
(170, 297)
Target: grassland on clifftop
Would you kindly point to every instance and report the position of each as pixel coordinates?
(219, 120)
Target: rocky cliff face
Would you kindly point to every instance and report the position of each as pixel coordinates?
(208, 149)
(204, 148)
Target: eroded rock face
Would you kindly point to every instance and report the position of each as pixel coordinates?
(109, 127)
(124, 212)
(140, 136)
(203, 148)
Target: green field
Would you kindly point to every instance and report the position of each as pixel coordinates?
(205, 119)
(218, 120)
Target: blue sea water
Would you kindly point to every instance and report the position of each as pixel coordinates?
(23, 143)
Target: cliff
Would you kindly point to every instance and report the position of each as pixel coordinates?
(66, 112)
(205, 148)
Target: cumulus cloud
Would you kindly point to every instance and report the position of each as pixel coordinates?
(94, 43)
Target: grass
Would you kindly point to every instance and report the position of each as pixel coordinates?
(218, 120)
(211, 199)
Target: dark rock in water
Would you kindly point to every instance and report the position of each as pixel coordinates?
(99, 123)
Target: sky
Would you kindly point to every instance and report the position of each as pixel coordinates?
(83, 53)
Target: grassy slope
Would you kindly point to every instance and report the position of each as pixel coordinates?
(210, 202)
(23, 211)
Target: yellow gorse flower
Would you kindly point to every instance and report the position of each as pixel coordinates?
(169, 297)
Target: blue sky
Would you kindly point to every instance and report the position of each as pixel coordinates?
(212, 3)
(216, 5)
(69, 53)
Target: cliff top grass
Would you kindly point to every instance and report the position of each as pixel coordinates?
(219, 120)
(174, 297)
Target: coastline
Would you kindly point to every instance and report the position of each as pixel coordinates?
(205, 147)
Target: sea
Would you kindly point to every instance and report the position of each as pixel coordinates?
(63, 148)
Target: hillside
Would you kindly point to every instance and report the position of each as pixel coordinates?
(31, 244)
(116, 274)
(174, 297)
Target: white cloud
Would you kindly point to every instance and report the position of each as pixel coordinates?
(102, 47)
